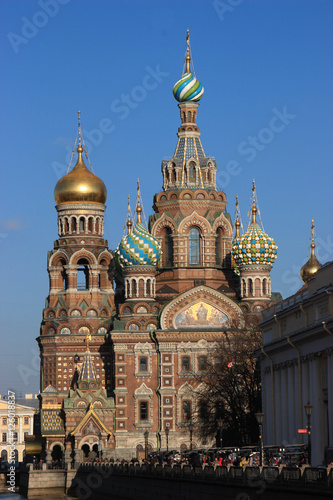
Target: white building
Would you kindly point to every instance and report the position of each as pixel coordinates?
(297, 366)
(22, 412)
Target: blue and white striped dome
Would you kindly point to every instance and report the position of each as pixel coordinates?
(188, 89)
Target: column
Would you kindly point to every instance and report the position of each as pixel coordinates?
(318, 420)
(330, 395)
(292, 403)
(267, 406)
(284, 415)
(20, 437)
(278, 417)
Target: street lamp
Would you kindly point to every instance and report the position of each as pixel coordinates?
(167, 430)
(146, 434)
(260, 418)
(100, 447)
(190, 428)
(220, 427)
(308, 410)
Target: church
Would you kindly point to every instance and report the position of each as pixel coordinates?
(125, 331)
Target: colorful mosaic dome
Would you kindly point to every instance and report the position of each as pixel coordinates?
(139, 248)
(254, 247)
(188, 88)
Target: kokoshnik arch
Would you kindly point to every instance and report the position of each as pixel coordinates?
(118, 360)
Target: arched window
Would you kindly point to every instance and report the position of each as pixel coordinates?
(83, 275)
(168, 248)
(90, 224)
(64, 275)
(194, 246)
(134, 287)
(74, 225)
(189, 116)
(250, 287)
(82, 221)
(219, 246)
(264, 286)
(148, 288)
(192, 172)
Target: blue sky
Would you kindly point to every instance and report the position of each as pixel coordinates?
(266, 114)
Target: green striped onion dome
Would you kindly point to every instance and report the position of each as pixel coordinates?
(188, 88)
(139, 248)
(254, 247)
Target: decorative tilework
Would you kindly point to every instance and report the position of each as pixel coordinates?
(139, 248)
(254, 247)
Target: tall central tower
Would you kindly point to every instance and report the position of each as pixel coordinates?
(190, 219)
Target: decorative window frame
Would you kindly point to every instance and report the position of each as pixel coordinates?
(185, 393)
(143, 350)
(143, 394)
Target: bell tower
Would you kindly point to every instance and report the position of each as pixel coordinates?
(81, 296)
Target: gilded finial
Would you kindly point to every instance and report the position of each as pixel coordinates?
(254, 208)
(237, 223)
(187, 57)
(139, 211)
(129, 222)
(312, 234)
(138, 205)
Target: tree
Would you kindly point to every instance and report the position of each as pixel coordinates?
(230, 390)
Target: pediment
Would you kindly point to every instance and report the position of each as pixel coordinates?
(143, 390)
(202, 307)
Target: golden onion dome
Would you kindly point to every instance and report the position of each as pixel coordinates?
(312, 265)
(80, 185)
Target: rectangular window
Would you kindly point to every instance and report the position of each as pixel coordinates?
(16, 420)
(4, 421)
(187, 410)
(203, 410)
(143, 410)
(143, 365)
(218, 363)
(185, 364)
(4, 437)
(15, 436)
(202, 363)
(26, 420)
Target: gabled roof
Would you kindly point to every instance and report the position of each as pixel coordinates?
(90, 413)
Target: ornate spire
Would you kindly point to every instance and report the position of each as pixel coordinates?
(312, 265)
(188, 88)
(187, 57)
(254, 208)
(237, 222)
(139, 206)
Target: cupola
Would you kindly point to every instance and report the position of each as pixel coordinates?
(312, 265)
